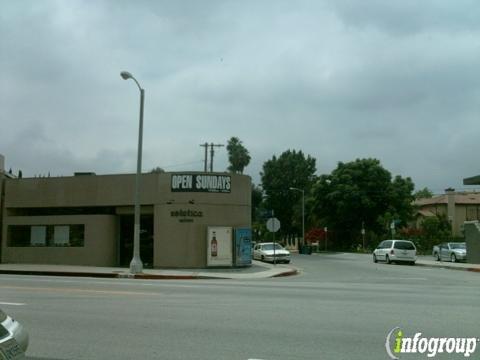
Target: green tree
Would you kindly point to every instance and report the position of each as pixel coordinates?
(157, 170)
(400, 200)
(424, 193)
(434, 230)
(238, 156)
(257, 199)
(291, 169)
(359, 193)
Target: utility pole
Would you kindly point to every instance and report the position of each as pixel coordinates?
(212, 152)
(205, 167)
(326, 237)
(363, 236)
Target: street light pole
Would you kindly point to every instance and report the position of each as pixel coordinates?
(136, 265)
(303, 212)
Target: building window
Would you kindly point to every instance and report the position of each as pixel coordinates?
(77, 235)
(46, 235)
(61, 235)
(19, 235)
(38, 236)
(472, 213)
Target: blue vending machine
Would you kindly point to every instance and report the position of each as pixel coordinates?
(243, 247)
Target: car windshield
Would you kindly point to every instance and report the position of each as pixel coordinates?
(404, 245)
(270, 247)
(458, 246)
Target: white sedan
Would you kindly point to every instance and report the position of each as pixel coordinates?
(271, 252)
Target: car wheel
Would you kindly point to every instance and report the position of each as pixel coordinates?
(287, 262)
(262, 258)
(453, 258)
(387, 259)
(375, 259)
(438, 256)
(412, 263)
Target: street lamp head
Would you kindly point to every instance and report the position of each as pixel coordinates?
(126, 75)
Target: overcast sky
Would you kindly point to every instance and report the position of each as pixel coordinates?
(340, 80)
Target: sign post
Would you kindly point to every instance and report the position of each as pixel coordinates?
(392, 228)
(273, 225)
(326, 236)
(363, 236)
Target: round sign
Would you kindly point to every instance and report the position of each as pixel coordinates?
(273, 224)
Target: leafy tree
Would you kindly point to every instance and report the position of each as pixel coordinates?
(424, 193)
(238, 156)
(290, 169)
(435, 229)
(357, 192)
(257, 199)
(401, 200)
(157, 170)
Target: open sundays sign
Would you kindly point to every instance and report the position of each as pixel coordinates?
(201, 183)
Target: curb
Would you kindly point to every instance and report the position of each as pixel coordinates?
(160, 277)
(143, 276)
(59, 273)
(287, 273)
(448, 267)
(104, 275)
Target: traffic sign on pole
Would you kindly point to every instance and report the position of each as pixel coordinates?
(273, 224)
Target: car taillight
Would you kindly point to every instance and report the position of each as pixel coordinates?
(392, 252)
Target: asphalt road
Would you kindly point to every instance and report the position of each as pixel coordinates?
(341, 306)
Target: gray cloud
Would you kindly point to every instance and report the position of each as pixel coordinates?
(409, 16)
(336, 79)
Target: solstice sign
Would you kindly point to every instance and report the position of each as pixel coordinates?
(201, 183)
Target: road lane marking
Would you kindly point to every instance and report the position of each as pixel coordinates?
(403, 278)
(13, 304)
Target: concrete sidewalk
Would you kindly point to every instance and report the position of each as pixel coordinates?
(425, 260)
(421, 261)
(258, 270)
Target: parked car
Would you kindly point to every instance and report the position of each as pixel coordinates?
(267, 251)
(13, 338)
(395, 251)
(452, 251)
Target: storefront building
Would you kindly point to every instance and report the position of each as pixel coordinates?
(87, 219)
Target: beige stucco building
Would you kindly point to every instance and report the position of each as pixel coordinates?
(88, 219)
(457, 207)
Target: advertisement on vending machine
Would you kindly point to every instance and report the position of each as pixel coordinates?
(243, 247)
(219, 246)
